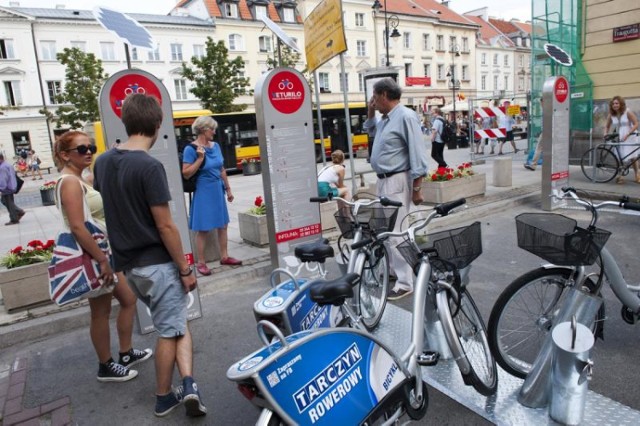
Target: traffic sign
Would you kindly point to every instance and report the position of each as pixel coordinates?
(324, 33)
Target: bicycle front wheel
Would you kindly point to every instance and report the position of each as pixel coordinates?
(374, 284)
(600, 164)
(524, 314)
(470, 345)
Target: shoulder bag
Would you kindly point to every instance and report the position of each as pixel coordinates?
(73, 273)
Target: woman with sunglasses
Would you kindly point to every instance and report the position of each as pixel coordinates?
(73, 153)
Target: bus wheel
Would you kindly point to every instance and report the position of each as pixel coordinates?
(318, 154)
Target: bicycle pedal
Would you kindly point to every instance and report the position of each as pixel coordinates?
(428, 358)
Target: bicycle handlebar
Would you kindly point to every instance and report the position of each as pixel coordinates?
(570, 193)
(382, 200)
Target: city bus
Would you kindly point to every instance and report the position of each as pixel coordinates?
(237, 132)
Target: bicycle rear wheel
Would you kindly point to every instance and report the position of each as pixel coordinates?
(467, 336)
(374, 284)
(600, 164)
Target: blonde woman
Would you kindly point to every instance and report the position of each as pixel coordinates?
(624, 122)
(331, 178)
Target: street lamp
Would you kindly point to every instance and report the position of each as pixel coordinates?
(389, 22)
(453, 83)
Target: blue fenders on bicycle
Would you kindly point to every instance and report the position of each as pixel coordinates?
(326, 377)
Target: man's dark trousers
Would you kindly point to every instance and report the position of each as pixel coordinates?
(437, 153)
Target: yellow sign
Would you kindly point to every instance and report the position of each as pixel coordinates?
(513, 110)
(324, 33)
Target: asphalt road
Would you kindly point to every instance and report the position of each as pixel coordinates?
(66, 363)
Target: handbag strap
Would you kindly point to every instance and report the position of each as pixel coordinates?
(87, 211)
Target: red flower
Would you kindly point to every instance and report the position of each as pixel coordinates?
(34, 243)
(434, 177)
(258, 202)
(449, 176)
(441, 170)
(16, 250)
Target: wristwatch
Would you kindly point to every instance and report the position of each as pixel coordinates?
(186, 274)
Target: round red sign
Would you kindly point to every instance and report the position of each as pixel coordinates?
(561, 89)
(128, 85)
(286, 92)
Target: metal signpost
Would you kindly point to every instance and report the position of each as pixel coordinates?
(287, 154)
(555, 139)
(112, 96)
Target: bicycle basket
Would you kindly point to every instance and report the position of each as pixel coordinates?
(556, 239)
(373, 220)
(459, 246)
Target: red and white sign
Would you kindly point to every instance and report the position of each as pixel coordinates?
(294, 234)
(490, 133)
(417, 81)
(127, 85)
(286, 92)
(560, 175)
(561, 89)
(489, 112)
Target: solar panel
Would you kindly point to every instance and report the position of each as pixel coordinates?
(124, 27)
(557, 54)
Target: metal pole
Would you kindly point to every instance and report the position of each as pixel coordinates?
(386, 32)
(126, 54)
(347, 119)
(319, 114)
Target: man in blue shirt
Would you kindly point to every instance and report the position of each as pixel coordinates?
(399, 158)
(8, 187)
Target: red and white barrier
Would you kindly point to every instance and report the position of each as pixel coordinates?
(489, 112)
(490, 133)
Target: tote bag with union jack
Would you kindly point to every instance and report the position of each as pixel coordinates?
(73, 273)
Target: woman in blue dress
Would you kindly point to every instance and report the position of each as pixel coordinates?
(208, 207)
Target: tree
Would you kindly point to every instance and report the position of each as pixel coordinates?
(84, 77)
(217, 80)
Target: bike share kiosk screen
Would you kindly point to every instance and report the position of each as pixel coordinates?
(112, 95)
(555, 139)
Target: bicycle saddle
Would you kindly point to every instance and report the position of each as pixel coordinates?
(333, 292)
(316, 251)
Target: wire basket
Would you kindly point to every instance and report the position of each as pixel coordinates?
(373, 220)
(459, 246)
(556, 239)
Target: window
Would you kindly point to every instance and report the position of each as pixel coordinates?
(521, 60)
(181, 89)
(520, 84)
(260, 11)
(406, 40)
(452, 44)
(108, 51)
(440, 72)
(264, 43)
(236, 42)
(427, 70)
(359, 19)
(465, 72)
(407, 70)
(198, 51)
(12, 93)
(465, 44)
(360, 82)
(324, 82)
(426, 42)
(48, 49)
(483, 59)
(506, 60)
(230, 10)
(134, 54)
(176, 52)
(288, 14)
(440, 42)
(54, 89)
(495, 58)
(6, 49)
(154, 55)
(506, 82)
(344, 85)
(483, 82)
(239, 90)
(361, 48)
(82, 45)
(495, 82)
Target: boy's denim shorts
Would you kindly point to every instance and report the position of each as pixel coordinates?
(160, 288)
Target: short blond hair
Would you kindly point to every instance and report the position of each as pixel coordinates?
(337, 156)
(202, 123)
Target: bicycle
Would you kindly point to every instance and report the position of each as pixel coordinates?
(526, 310)
(603, 163)
(332, 374)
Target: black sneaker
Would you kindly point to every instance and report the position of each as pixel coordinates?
(166, 403)
(134, 356)
(191, 398)
(399, 294)
(111, 371)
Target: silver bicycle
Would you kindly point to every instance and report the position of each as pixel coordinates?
(526, 310)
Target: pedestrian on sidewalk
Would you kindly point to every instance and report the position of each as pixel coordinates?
(209, 205)
(437, 143)
(399, 159)
(8, 187)
(146, 246)
(507, 122)
(73, 152)
(35, 165)
(623, 121)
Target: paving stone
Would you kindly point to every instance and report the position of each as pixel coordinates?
(61, 417)
(18, 377)
(15, 391)
(22, 416)
(13, 406)
(54, 405)
(32, 422)
(20, 363)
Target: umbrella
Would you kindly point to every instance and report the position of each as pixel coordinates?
(460, 106)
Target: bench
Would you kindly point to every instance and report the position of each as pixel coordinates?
(46, 167)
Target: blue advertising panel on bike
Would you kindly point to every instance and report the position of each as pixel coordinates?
(331, 378)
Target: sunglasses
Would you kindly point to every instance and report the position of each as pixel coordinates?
(83, 149)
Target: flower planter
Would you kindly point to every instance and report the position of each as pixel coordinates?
(25, 286)
(442, 192)
(249, 169)
(48, 197)
(253, 229)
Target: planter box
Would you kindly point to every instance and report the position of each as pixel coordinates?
(25, 286)
(48, 197)
(327, 218)
(442, 192)
(250, 169)
(253, 229)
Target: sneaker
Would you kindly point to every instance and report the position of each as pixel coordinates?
(111, 371)
(399, 294)
(191, 398)
(529, 167)
(166, 403)
(134, 356)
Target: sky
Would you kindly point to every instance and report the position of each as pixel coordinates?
(497, 8)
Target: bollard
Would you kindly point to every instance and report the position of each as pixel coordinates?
(502, 171)
(536, 387)
(570, 371)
